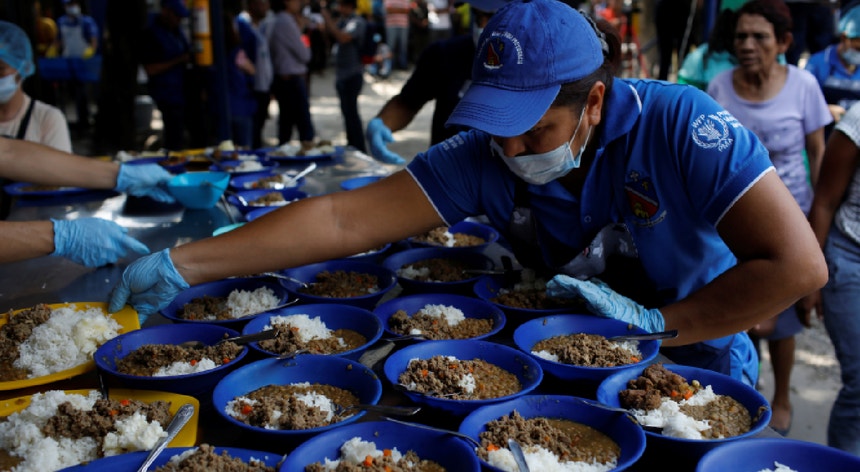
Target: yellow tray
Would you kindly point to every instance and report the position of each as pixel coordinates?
(187, 437)
(127, 318)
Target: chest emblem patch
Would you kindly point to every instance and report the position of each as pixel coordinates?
(643, 200)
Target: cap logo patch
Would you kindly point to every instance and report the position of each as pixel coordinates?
(496, 46)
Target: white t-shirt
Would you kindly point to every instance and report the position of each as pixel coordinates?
(47, 125)
(847, 217)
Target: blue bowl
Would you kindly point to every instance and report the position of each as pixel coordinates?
(472, 260)
(471, 308)
(761, 453)
(308, 273)
(245, 181)
(230, 165)
(487, 233)
(489, 287)
(357, 182)
(222, 288)
(326, 370)
(198, 190)
(289, 195)
(531, 332)
(691, 450)
(373, 257)
(335, 316)
(451, 453)
(627, 434)
(197, 384)
(254, 214)
(516, 362)
(133, 460)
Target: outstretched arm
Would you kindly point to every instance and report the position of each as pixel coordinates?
(32, 162)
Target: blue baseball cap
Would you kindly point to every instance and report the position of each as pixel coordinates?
(178, 7)
(849, 24)
(15, 49)
(527, 51)
(487, 5)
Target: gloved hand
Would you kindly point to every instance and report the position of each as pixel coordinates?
(378, 135)
(148, 284)
(603, 301)
(93, 242)
(144, 180)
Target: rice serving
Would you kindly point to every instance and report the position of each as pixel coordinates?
(777, 467)
(67, 339)
(22, 436)
(243, 303)
(365, 454)
(304, 326)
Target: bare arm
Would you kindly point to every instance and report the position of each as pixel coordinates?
(25, 240)
(312, 230)
(814, 153)
(32, 162)
(396, 115)
(779, 261)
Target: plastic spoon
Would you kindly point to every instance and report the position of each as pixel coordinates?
(307, 170)
(438, 430)
(673, 333)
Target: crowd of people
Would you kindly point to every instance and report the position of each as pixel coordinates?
(534, 130)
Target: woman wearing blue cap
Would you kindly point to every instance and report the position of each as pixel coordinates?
(650, 201)
(21, 116)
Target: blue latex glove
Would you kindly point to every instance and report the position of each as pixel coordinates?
(603, 301)
(93, 242)
(378, 135)
(144, 180)
(148, 284)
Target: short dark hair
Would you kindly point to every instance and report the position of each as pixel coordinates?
(774, 11)
(351, 3)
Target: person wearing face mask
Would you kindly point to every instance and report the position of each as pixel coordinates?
(21, 116)
(646, 199)
(836, 67)
(784, 107)
(442, 73)
(78, 39)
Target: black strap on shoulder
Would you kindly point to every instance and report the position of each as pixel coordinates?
(25, 122)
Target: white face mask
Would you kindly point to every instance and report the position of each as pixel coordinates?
(73, 10)
(538, 169)
(476, 34)
(8, 87)
(851, 56)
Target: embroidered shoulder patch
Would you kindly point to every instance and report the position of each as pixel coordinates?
(711, 131)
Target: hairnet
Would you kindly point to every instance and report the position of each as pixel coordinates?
(849, 24)
(15, 49)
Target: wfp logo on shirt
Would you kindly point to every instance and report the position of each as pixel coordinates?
(712, 131)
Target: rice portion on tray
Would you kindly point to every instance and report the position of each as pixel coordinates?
(243, 302)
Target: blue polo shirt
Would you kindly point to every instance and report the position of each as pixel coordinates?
(840, 87)
(670, 163)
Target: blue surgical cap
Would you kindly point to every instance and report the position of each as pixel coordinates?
(15, 49)
(849, 24)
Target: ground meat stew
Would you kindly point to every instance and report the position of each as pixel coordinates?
(288, 340)
(437, 269)
(204, 308)
(16, 330)
(725, 415)
(442, 237)
(69, 422)
(342, 284)
(568, 440)
(295, 406)
(436, 327)
(146, 360)
(449, 377)
(204, 459)
(533, 299)
(587, 350)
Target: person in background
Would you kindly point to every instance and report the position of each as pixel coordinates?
(784, 107)
(290, 57)
(21, 116)
(397, 31)
(836, 66)
(240, 46)
(92, 242)
(165, 54)
(812, 27)
(419, 29)
(44, 32)
(260, 16)
(348, 33)
(560, 159)
(439, 17)
(78, 39)
(674, 22)
(708, 60)
(835, 219)
(443, 73)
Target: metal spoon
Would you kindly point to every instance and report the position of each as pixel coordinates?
(672, 333)
(287, 277)
(654, 429)
(179, 420)
(307, 170)
(519, 456)
(384, 409)
(243, 339)
(438, 430)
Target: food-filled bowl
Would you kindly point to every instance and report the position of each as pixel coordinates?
(193, 371)
(764, 454)
(537, 443)
(342, 281)
(503, 373)
(581, 340)
(375, 437)
(662, 439)
(326, 381)
(320, 328)
(522, 296)
(439, 270)
(243, 166)
(266, 179)
(463, 235)
(440, 316)
(247, 201)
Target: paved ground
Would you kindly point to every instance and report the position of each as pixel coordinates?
(815, 379)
